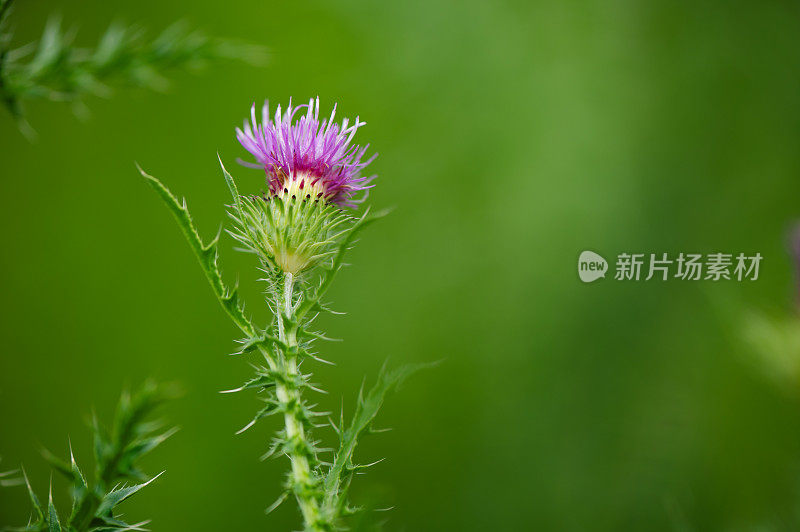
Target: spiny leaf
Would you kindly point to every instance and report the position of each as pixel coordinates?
(237, 200)
(37, 506)
(265, 342)
(261, 382)
(116, 496)
(52, 520)
(367, 408)
(83, 502)
(277, 502)
(116, 452)
(268, 410)
(109, 524)
(139, 449)
(78, 478)
(206, 254)
(302, 332)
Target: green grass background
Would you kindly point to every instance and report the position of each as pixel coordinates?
(512, 135)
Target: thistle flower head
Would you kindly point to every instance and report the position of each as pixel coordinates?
(306, 159)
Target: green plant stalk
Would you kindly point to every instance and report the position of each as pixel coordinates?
(320, 488)
(303, 481)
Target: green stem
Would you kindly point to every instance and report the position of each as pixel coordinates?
(304, 482)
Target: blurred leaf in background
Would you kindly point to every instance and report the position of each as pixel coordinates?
(55, 68)
(117, 453)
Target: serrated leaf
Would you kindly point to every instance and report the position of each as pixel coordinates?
(261, 382)
(268, 410)
(116, 496)
(302, 332)
(114, 525)
(136, 451)
(37, 506)
(131, 438)
(79, 481)
(206, 254)
(265, 343)
(234, 190)
(283, 496)
(54, 525)
(82, 500)
(336, 480)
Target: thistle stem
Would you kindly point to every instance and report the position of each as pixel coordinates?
(288, 286)
(303, 479)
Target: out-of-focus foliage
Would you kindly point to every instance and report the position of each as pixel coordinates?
(9, 478)
(775, 342)
(54, 68)
(117, 453)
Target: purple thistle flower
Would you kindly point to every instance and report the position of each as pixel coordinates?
(307, 159)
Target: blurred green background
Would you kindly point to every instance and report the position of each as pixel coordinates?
(512, 136)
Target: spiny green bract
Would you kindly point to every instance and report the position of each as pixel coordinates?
(116, 475)
(291, 235)
(319, 478)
